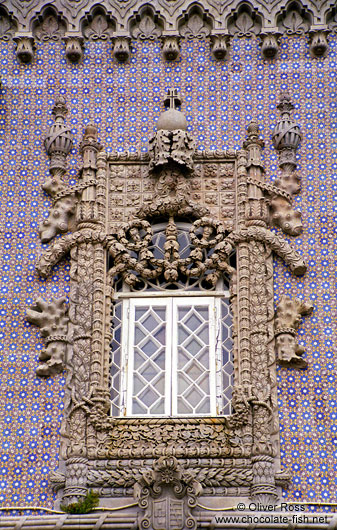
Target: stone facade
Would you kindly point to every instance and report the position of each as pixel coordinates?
(243, 74)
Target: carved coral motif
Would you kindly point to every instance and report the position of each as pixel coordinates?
(287, 321)
(58, 143)
(52, 320)
(286, 139)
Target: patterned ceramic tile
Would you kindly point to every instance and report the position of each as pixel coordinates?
(219, 100)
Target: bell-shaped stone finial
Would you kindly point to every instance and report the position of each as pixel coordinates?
(171, 144)
(59, 140)
(172, 119)
(286, 135)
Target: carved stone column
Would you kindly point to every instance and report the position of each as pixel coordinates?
(87, 210)
(263, 488)
(256, 210)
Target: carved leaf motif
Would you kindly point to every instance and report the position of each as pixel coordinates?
(294, 23)
(98, 29)
(5, 27)
(195, 28)
(245, 24)
(147, 29)
(50, 29)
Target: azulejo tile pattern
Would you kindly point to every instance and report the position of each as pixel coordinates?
(219, 100)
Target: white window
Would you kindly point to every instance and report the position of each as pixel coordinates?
(170, 355)
(171, 345)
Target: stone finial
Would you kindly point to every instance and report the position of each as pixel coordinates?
(286, 134)
(171, 144)
(287, 321)
(59, 140)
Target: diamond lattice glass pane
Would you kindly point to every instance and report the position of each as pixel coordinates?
(227, 364)
(115, 358)
(159, 407)
(149, 360)
(193, 360)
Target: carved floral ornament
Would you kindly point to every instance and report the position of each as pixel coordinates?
(167, 462)
(86, 21)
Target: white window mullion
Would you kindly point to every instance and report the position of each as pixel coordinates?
(174, 356)
(213, 353)
(170, 341)
(128, 353)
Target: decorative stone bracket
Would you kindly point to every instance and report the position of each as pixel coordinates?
(287, 321)
(25, 47)
(88, 20)
(52, 320)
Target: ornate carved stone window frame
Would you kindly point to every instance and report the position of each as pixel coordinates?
(233, 456)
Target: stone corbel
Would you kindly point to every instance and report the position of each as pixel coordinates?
(121, 48)
(52, 319)
(287, 321)
(269, 43)
(74, 46)
(170, 46)
(220, 45)
(25, 46)
(318, 41)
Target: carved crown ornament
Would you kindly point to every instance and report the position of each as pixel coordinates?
(167, 240)
(84, 20)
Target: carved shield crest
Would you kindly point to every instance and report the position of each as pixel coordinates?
(168, 514)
